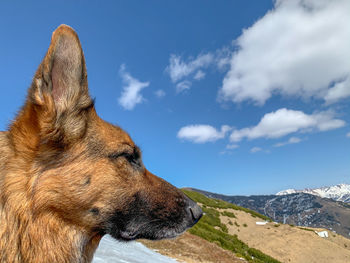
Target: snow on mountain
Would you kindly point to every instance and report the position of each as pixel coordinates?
(340, 192)
(111, 250)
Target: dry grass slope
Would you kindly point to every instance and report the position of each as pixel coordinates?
(231, 235)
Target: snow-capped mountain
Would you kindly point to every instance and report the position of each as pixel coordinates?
(340, 192)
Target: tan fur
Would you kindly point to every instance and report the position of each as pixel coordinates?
(57, 185)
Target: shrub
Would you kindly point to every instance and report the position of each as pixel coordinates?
(306, 229)
(229, 214)
(261, 256)
(212, 218)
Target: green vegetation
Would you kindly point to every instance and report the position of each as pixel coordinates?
(229, 214)
(306, 229)
(230, 242)
(212, 218)
(210, 228)
(276, 225)
(245, 225)
(216, 203)
(236, 224)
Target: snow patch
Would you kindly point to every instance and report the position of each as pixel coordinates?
(261, 223)
(111, 250)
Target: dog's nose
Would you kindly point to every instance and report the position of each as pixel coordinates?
(194, 211)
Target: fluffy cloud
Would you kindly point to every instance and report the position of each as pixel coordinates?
(338, 91)
(131, 94)
(300, 49)
(202, 133)
(284, 121)
(292, 140)
(348, 135)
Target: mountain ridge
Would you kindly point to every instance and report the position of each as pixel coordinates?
(299, 209)
(339, 192)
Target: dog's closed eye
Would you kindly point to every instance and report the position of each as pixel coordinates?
(134, 157)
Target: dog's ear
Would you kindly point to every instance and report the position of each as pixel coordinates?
(58, 100)
(62, 74)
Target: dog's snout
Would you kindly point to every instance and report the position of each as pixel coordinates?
(194, 211)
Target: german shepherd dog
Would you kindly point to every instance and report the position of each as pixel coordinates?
(67, 177)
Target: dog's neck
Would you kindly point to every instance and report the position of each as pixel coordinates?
(36, 238)
(23, 238)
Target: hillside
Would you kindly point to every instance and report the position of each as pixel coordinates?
(288, 243)
(192, 249)
(299, 209)
(209, 240)
(234, 229)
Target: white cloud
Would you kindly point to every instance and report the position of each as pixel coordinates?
(179, 69)
(284, 121)
(255, 149)
(131, 94)
(183, 85)
(300, 49)
(160, 93)
(183, 71)
(348, 135)
(232, 146)
(199, 75)
(292, 140)
(223, 58)
(338, 91)
(202, 133)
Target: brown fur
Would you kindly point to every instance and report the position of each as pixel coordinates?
(67, 177)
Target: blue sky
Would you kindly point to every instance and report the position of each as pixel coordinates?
(235, 97)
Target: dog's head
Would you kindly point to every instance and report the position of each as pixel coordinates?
(83, 169)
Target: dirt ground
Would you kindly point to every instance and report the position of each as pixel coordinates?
(287, 243)
(192, 249)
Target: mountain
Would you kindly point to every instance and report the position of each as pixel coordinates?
(340, 192)
(298, 209)
(250, 238)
